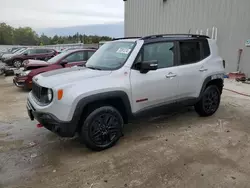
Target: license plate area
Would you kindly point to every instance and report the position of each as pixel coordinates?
(30, 111)
(30, 114)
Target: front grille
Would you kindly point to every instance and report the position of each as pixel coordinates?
(40, 93)
(36, 91)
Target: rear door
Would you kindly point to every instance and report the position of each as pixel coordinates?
(76, 58)
(191, 68)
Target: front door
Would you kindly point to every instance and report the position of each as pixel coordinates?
(76, 58)
(158, 87)
(30, 54)
(41, 54)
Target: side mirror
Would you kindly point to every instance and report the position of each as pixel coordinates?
(63, 62)
(25, 54)
(147, 66)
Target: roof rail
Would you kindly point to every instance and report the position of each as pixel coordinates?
(174, 35)
(126, 38)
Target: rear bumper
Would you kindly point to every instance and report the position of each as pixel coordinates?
(52, 123)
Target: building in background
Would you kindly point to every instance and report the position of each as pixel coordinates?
(230, 17)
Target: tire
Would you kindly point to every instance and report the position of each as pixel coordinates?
(106, 132)
(209, 102)
(17, 63)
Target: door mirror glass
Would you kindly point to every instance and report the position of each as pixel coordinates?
(147, 66)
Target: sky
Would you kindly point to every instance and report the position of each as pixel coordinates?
(60, 13)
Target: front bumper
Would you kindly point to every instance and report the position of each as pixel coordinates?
(52, 123)
(7, 61)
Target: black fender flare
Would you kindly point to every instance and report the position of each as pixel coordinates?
(209, 79)
(99, 97)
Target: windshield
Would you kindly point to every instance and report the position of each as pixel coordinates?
(110, 56)
(58, 57)
(20, 51)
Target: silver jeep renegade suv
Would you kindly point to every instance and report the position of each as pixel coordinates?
(123, 79)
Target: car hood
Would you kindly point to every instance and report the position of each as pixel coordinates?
(66, 76)
(32, 63)
(8, 55)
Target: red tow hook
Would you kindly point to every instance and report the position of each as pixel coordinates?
(39, 125)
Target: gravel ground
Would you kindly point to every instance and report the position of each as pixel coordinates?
(178, 149)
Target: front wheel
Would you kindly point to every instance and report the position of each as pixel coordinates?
(209, 102)
(102, 128)
(17, 63)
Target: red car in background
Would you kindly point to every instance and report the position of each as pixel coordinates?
(65, 59)
(17, 59)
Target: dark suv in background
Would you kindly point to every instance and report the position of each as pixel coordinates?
(16, 60)
(10, 51)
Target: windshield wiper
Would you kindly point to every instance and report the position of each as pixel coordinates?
(94, 68)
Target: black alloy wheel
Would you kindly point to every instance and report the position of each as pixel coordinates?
(102, 128)
(209, 102)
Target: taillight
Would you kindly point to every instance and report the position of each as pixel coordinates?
(224, 63)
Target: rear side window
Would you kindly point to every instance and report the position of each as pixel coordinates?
(190, 52)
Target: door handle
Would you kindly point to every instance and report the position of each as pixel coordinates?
(203, 70)
(171, 75)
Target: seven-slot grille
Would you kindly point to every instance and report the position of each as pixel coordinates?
(37, 91)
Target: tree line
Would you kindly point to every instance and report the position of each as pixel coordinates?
(27, 36)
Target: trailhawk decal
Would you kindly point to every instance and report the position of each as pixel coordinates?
(123, 50)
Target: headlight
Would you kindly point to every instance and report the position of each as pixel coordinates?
(49, 95)
(25, 73)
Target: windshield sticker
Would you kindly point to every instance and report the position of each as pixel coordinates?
(123, 50)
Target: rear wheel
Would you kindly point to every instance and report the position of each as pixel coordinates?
(209, 102)
(17, 63)
(102, 128)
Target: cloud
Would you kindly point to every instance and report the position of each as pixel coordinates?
(60, 13)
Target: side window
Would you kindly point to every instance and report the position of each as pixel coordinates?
(163, 52)
(75, 57)
(31, 52)
(90, 53)
(190, 52)
(41, 51)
